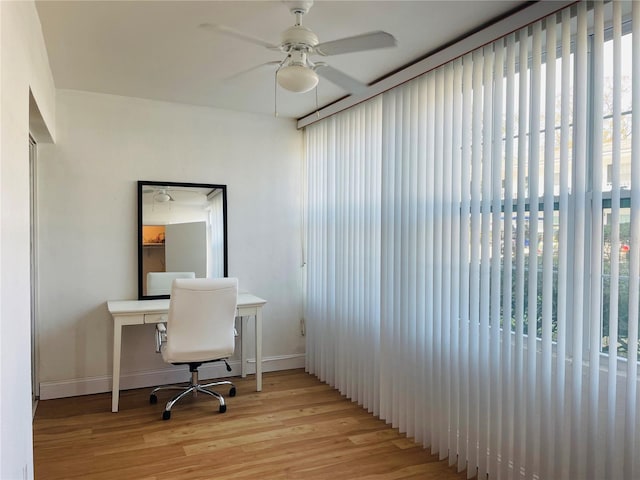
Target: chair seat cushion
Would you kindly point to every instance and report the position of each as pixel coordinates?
(190, 357)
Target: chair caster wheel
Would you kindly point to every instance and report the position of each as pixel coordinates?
(166, 415)
(153, 399)
(223, 408)
(232, 392)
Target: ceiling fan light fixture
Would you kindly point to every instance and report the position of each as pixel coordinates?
(162, 197)
(297, 78)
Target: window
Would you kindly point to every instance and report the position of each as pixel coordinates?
(475, 196)
(622, 181)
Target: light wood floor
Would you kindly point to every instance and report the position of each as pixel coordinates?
(296, 428)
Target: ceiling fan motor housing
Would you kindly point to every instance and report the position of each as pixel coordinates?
(298, 38)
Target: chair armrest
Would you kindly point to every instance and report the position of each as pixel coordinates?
(161, 336)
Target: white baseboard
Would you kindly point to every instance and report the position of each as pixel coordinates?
(171, 374)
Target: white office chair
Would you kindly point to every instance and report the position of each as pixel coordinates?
(200, 328)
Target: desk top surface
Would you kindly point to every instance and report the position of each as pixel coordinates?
(121, 307)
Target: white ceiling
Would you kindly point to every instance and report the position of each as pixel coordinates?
(155, 50)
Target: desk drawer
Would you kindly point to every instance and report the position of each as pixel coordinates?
(155, 317)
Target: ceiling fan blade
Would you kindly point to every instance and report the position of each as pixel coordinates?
(251, 69)
(341, 79)
(357, 43)
(224, 30)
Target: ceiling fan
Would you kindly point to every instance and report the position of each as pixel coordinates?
(159, 194)
(296, 72)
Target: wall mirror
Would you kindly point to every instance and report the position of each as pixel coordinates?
(182, 233)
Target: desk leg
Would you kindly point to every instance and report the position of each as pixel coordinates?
(243, 346)
(117, 340)
(259, 349)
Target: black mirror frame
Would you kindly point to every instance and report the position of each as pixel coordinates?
(142, 183)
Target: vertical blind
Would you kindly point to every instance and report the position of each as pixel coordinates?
(473, 251)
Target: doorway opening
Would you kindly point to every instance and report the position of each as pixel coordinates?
(33, 272)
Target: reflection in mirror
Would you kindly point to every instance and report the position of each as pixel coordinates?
(181, 234)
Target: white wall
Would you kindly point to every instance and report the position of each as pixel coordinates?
(88, 224)
(23, 66)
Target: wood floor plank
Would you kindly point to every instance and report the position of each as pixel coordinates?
(296, 428)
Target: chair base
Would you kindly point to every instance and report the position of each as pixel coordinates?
(193, 388)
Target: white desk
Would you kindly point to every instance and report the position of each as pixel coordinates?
(139, 312)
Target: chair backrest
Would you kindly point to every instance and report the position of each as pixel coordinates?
(201, 319)
(159, 283)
